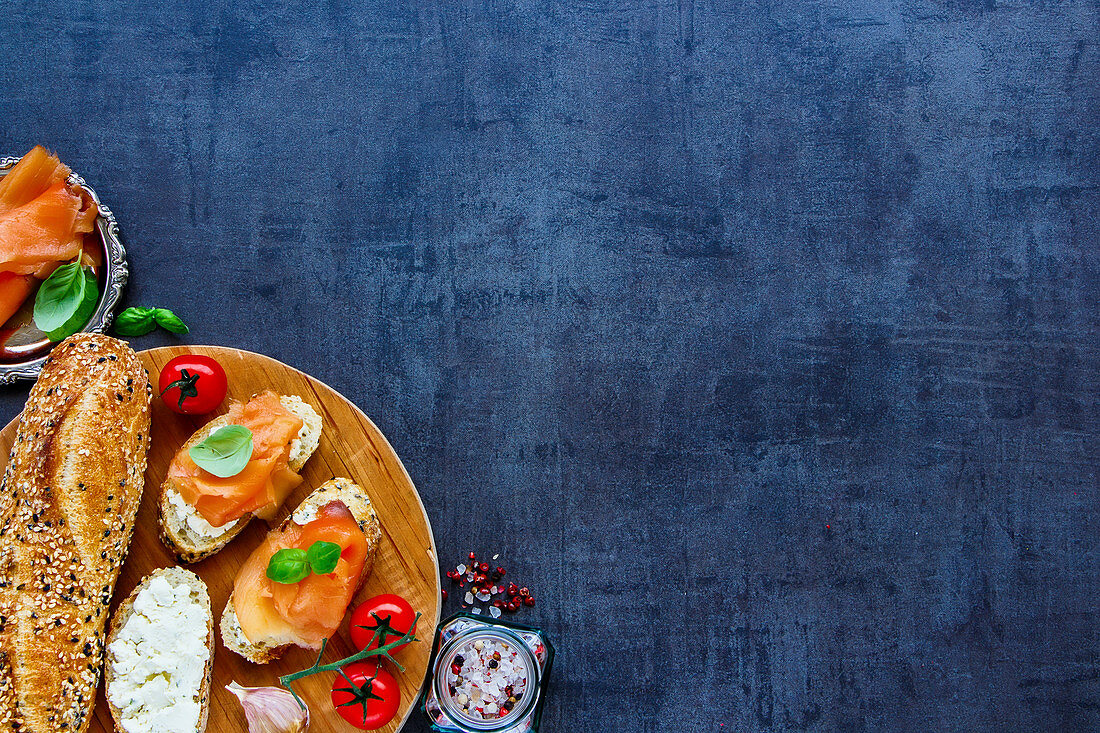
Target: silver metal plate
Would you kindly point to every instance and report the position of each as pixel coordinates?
(118, 273)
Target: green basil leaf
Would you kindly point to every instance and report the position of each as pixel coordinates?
(169, 321)
(59, 297)
(135, 322)
(288, 566)
(225, 452)
(322, 556)
(83, 313)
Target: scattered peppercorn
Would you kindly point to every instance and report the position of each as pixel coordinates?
(485, 582)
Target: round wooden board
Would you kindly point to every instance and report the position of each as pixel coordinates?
(352, 446)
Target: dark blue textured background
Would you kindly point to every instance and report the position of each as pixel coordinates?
(760, 338)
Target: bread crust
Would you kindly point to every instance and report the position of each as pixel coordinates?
(176, 576)
(67, 504)
(356, 500)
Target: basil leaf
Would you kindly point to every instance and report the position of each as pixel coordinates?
(59, 297)
(322, 556)
(135, 322)
(140, 321)
(169, 321)
(288, 566)
(83, 312)
(225, 452)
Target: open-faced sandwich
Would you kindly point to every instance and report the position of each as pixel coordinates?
(201, 511)
(296, 586)
(160, 655)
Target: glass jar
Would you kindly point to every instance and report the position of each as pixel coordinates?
(507, 664)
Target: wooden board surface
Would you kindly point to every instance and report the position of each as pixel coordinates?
(352, 446)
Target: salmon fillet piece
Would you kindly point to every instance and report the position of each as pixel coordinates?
(43, 217)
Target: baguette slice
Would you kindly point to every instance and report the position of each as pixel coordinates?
(67, 505)
(184, 531)
(179, 636)
(261, 651)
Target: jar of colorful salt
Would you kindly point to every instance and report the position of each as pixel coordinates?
(488, 675)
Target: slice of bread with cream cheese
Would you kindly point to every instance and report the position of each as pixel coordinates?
(160, 655)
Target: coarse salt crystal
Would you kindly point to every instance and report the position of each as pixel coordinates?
(482, 595)
(476, 611)
(494, 611)
(461, 569)
(469, 598)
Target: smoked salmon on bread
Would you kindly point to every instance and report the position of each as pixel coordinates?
(200, 513)
(262, 617)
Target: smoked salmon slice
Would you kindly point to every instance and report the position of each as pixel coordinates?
(34, 173)
(264, 483)
(311, 610)
(14, 289)
(43, 218)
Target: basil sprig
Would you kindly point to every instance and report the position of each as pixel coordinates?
(140, 321)
(225, 452)
(65, 301)
(293, 565)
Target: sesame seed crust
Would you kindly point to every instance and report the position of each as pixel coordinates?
(67, 504)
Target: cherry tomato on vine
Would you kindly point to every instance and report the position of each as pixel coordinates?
(192, 384)
(372, 701)
(389, 608)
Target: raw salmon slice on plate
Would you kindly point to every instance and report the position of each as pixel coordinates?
(43, 217)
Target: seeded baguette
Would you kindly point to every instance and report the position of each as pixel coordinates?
(261, 651)
(67, 504)
(189, 547)
(175, 577)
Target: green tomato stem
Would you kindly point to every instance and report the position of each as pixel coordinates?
(365, 653)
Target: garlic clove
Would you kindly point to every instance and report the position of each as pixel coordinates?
(271, 709)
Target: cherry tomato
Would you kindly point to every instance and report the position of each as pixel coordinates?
(387, 607)
(372, 702)
(192, 384)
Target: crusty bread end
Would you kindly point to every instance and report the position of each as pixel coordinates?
(189, 546)
(338, 489)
